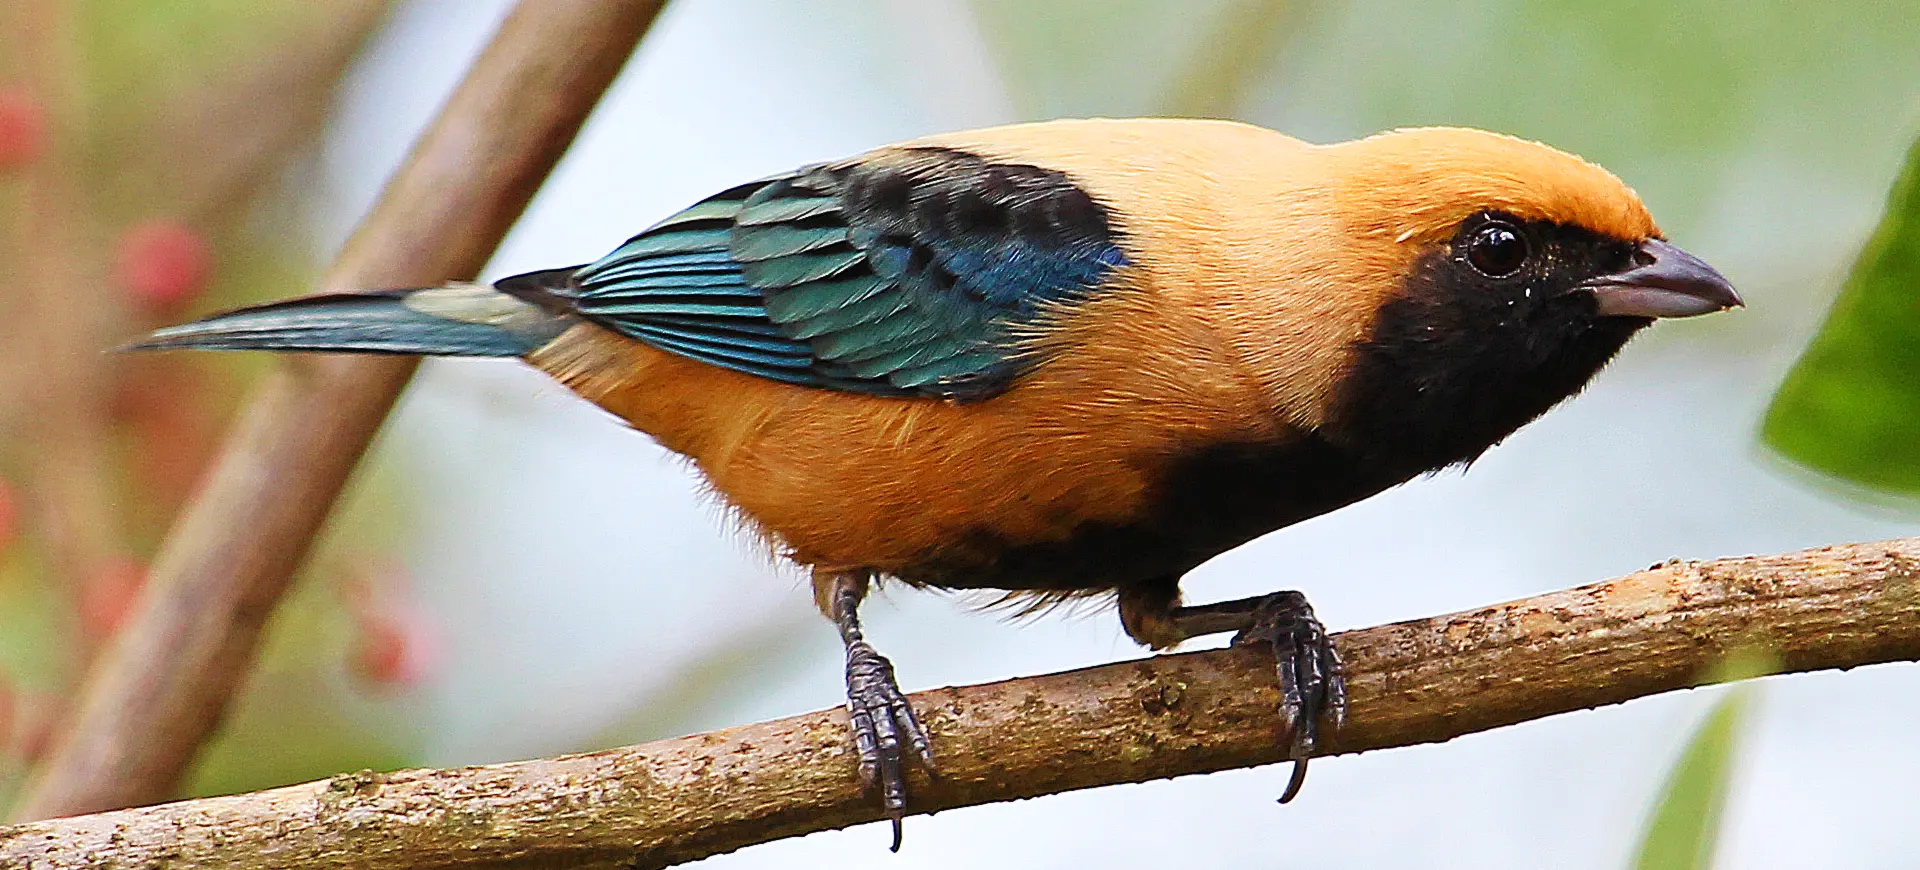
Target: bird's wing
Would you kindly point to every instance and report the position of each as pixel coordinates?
(906, 272)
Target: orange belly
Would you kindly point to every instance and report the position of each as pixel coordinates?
(846, 481)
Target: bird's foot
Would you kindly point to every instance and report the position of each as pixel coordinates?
(1313, 686)
(885, 730)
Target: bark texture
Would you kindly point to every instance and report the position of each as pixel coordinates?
(671, 801)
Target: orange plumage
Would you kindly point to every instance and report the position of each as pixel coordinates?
(1251, 283)
(1074, 357)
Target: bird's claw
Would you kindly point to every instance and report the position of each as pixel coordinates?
(1313, 686)
(885, 730)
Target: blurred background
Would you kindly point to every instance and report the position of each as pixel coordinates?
(514, 574)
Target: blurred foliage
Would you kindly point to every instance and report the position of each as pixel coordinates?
(1068, 58)
(1685, 828)
(1661, 92)
(163, 174)
(1851, 407)
(1677, 97)
(1246, 37)
(1085, 57)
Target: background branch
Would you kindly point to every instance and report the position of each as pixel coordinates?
(160, 689)
(677, 800)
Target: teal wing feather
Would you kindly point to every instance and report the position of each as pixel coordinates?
(906, 273)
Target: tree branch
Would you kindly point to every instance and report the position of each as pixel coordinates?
(161, 688)
(677, 800)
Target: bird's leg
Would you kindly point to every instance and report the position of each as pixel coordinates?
(883, 722)
(1313, 687)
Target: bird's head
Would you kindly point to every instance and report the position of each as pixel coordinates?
(1505, 275)
(1517, 220)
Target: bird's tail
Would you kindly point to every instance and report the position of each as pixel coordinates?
(456, 320)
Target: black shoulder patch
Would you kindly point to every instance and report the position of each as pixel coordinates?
(1458, 360)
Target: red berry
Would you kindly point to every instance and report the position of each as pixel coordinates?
(395, 644)
(395, 648)
(23, 129)
(164, 264)
(108, 594)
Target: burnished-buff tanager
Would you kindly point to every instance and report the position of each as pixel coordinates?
(1075, 358)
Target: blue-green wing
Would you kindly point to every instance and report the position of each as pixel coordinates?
(905, 273)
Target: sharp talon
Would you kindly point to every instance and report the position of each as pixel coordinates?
(1294, 782)
(886, 732)
(1313, 691)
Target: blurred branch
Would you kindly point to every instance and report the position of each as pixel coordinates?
(678, 800)
(158, 692)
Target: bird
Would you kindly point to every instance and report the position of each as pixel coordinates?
(1072, 359)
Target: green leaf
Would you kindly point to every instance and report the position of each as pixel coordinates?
(1685, 827)
(1851, 406)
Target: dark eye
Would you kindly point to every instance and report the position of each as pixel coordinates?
(1497, 250)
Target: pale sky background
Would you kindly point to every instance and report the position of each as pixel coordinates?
(575, 564)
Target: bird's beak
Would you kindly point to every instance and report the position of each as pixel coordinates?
(1664, 282)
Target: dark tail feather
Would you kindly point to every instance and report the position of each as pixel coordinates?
(549, 290)
(460, 320)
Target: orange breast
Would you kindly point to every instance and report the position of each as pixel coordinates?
(842, 480)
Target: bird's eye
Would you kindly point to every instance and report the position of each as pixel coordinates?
(1497, 250)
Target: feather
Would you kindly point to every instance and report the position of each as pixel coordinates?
(880, 267)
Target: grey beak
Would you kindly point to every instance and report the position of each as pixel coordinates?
(1667, 282)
